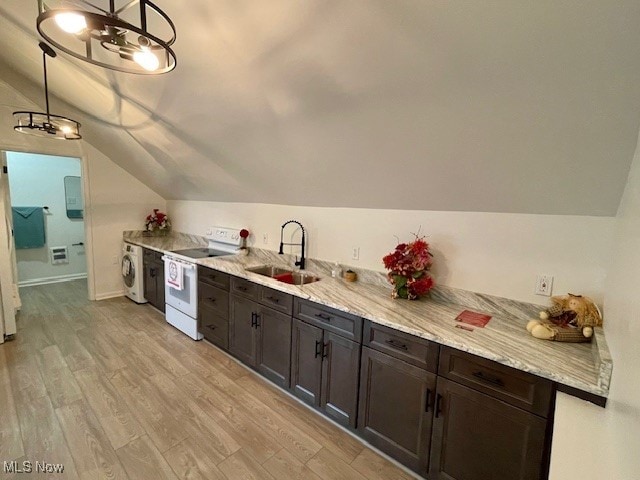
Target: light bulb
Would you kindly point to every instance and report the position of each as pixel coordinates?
(71, 22)
(65, 129)
(146, 59)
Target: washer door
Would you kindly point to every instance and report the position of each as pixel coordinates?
(128, 270)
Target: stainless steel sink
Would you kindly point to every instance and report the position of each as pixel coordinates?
(269, 270)
(284, 275)
(299, 278)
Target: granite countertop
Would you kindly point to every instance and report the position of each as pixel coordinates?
(586, 367)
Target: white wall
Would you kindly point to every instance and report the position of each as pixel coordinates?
(592, 443)
(38, 180)
(117, 201)
(498, 254)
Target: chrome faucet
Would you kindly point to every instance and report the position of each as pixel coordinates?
(299, 263)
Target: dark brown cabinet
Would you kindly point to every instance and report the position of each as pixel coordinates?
(476, 436)
(213, 306)
(260, 336)
(490, 421)
(153, 278)
(475, 419)
(242, 329)
(340, 373)
(325, 361)
(396, 408)
(397, 390)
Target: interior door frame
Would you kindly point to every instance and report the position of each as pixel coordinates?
(86, 197)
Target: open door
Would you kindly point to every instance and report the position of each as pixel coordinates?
(9, 294)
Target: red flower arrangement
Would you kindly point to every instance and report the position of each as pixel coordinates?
(157, 221)
(244, 234)
(408, 267)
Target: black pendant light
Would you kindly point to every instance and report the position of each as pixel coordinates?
(114, 34)
(47, 124)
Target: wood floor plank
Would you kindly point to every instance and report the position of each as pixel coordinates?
(24, 372)
(284, 465)
(144, 344)
(216, 443)
(232, 418)
(223, 362)
(151, 413)
(330, 436)
(112, 412)
(190, 462)
(375, 467)
(41, 433)
(92, 453)
(73, 351)
(242, 466)
(11, 446)
(105, 355)
(58, 379)
(302, 445)
(328, 466)
(141, 459)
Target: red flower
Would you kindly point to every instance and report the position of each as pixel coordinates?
(411, 262)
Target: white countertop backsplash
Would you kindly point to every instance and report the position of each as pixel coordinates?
(587, 366)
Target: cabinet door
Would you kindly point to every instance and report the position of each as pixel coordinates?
(396, 411)
(340, 374)
(477, 436)
(149, 283)
(242, 331)
(159, 276)
(214, 327)
(274, 346)
(306, 359)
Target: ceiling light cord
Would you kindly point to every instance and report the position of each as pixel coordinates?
(46, 124)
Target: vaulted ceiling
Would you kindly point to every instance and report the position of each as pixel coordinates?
(502, 106)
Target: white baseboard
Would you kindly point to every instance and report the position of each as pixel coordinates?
(107, 295)
(58, 279)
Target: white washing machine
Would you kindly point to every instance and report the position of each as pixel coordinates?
(133, 272)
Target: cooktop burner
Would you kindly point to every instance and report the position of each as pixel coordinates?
(201, 252)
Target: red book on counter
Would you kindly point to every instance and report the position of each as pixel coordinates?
(473, 318)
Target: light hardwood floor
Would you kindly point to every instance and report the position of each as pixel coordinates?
(109, 390)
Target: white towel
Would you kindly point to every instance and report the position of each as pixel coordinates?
(174, 276)
(126, 267)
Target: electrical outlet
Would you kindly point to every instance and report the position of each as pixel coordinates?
(355, 253)
(544, 285)
(265, 238)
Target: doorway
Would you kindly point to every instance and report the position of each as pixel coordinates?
(47, 215)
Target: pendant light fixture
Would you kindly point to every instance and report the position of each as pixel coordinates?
(113, 34)
(46, 124)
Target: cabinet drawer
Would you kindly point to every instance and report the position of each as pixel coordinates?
(344, 324)
(414, 350)
(518, 388)
(215, 299)
(213, 277)
(213, 327)
(245, 288)
(283, 302)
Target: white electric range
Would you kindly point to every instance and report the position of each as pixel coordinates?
(181, 279)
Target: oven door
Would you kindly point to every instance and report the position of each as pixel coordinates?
(185, 300)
